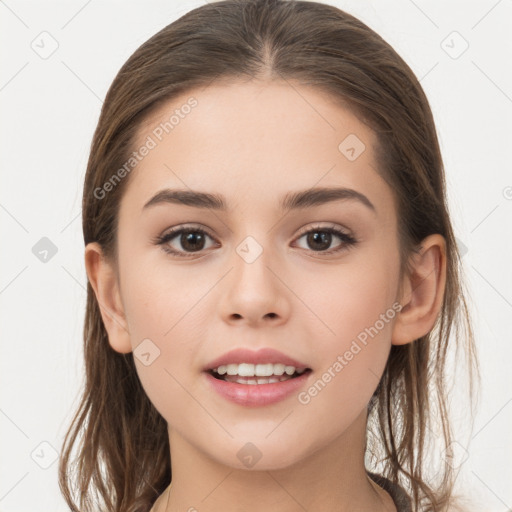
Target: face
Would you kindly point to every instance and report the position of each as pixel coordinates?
(317, 282)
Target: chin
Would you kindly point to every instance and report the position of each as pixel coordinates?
(260, 455)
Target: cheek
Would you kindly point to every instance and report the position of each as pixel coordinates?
(162, 313)
(170, 347)
(355, 319)
(349, 299)
(157, 298)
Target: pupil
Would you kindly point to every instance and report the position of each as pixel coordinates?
(322, 237)
(190, 240)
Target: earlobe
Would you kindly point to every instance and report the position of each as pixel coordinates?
(104, 282)
(422, 292)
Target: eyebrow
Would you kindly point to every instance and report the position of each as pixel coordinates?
(291, 201)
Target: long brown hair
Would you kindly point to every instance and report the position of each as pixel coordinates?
(122, 461)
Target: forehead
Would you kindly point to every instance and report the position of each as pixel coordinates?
(255, 140)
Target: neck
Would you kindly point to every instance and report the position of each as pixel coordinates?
(331, 479)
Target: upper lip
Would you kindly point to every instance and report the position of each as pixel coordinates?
(262, 356)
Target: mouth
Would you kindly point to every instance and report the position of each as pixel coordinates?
(259, 374)
(257, 385)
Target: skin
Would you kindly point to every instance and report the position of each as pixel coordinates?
(253, 142)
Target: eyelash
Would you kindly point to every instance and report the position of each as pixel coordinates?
(348, 240)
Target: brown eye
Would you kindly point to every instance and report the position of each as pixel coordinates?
(192, 240)
(319, 239)
(183, 241)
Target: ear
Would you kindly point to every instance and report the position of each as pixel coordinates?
(104, 282)
(422, 291)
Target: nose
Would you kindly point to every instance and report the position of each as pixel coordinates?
(254, 293)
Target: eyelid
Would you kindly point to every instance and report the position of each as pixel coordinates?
(186, 227)
(319, 227)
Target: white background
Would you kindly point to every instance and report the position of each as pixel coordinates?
(49, 111)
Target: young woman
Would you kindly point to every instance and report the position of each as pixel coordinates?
(273, 275)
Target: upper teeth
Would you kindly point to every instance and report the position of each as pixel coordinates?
(260, 370)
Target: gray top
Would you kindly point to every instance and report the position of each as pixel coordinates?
(398, 495)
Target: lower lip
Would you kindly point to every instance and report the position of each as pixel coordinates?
(257, 394)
